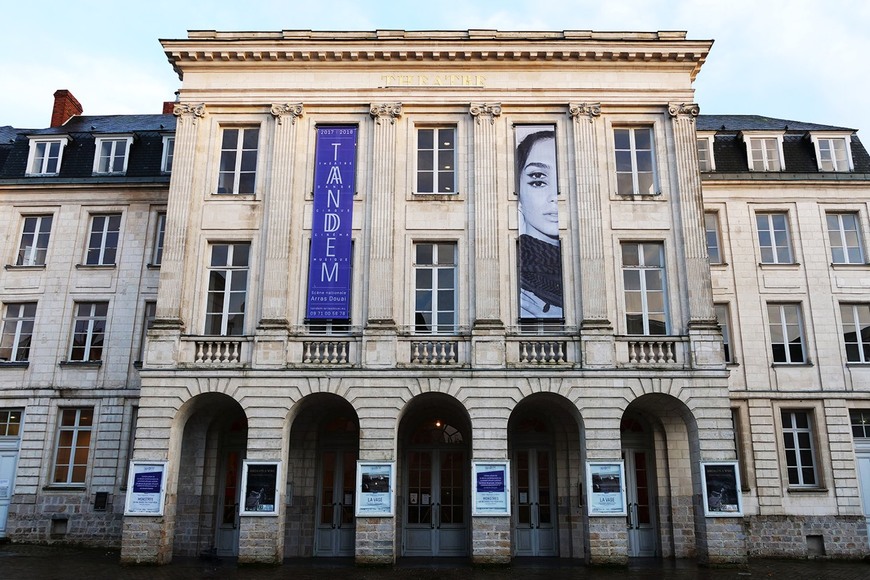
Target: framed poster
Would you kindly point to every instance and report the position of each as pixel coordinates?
(606, 484)
(146, 488)
(375, 488)
(491, 495)
(720, 481)
(260, 488)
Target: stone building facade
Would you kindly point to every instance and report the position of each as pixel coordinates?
(349, 282)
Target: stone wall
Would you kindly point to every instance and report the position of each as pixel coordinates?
(801, 536)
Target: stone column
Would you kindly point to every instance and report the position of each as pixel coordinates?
(595, 326)
(704, 334)
(271, 344)
(379, 348)
(607, 535)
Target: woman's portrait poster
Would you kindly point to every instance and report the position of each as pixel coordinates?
(540, 251)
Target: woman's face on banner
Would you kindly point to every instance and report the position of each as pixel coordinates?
(538, 190)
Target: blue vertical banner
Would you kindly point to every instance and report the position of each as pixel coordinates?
(329, 269)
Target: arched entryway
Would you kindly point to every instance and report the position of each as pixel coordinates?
(434, 503)
(213, 448)
(324, 447)
(544, 446)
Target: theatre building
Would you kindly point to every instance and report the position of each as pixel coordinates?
(447, 294)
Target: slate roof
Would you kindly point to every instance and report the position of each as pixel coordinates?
(145, 156)
(729, 148)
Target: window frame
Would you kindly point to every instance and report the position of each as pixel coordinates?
(159, 239)
(846, 138)
(436, 267)
(842, 234)
(436, 172)
(708, 140)
(20, 321)
(149, 315)
(236, 173)
(633, 151)
(766, 161)
(642, 290)
(771, 233)
(104, 235)
(127, 139)
(860, 343)
(716, 232)
(723, 318)
(36, 251)
(793, 431)
(71, 463)
(226, 294)
(35, 141)
(96, 326)
(168, 154)
(781, 321)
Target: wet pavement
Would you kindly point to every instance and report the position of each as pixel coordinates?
(21, 561)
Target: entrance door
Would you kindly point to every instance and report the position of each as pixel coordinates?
(8, 461)
(534, 512)
(641, 527)
(435, 513)
(336, 527)
(230, 481)
(863, 460)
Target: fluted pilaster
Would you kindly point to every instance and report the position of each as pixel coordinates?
(383, 209)
(181, 192)
(691, 207)
(486, 206)
(277, 215)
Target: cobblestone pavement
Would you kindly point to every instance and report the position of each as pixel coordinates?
(20, 561)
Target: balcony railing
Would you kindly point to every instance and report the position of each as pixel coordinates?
(216, 351)
(653, 351)
(326, 352)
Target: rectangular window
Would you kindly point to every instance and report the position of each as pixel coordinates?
(786, 333)
(800, 456)
(845, 237)
(238, 162)
(833, 154)
(45, 156)
(103, 240)
(34, 240)
(711, 229)
(643, 280)
(17, 331)
(227, 290)
(436, 160)
(73, 446)
(149, 315)
(706, 161)
(860, 423)
(774, 239)
(435, 288)
(159, 235)
(723, 317)
(10, 422)
(635, 161)
(112, 155)
(168, 154)
(764, 154)
(89, 331)
(856, 331)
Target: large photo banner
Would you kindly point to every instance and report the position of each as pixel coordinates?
(329, 269)
(540, 251)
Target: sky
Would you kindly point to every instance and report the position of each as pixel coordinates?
(801, 60)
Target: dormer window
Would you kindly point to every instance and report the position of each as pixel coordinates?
(764, 151)
(833, 151)
(706, 160)
(168, 153)
(112, 154)
(45, 155)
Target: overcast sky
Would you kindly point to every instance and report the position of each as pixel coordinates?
(802, 60)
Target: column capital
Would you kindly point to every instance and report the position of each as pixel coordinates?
(588, 111)
(194, 112)
(282, 110)
(683, 110)
(485, 111)
(391, 111)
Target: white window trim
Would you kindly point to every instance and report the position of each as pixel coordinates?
(19, 319)
(852, 306)
(654, 154)
(31, 251)
(159, 241)
(728, 331)
(710, 138)
(436, 329)
(165, 155)
(34, 140)
(104, 234)
(792, 259)
(862, 260)
(237, 169)
(666, 291)
(91, 318)
(227, 292)
(749, 136)
(455, 169)
(816, 136)
(127, 138)
(76, 429)
(783, 325)
(814, 416)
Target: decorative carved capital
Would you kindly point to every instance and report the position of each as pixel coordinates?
(391, 111)
(485, 111)
(588, 110)
(685, 110)
(186, 111)
(294, 111)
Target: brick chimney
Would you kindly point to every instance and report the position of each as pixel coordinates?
(168, 107)
(65, 106)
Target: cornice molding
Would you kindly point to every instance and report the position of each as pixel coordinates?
(485, 111)
(391, 111)
(282, 110)
(585, 110)
(187, 111)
